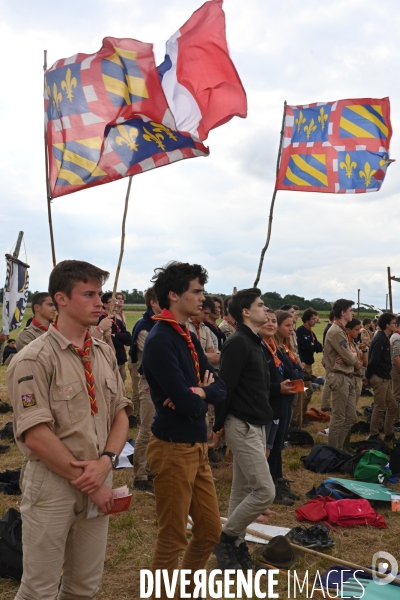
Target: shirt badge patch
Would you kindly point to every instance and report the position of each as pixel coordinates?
(344, 344)
(28, 400)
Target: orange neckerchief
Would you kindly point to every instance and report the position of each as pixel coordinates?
(289, 353)
(230, 322)
(272, 348)
(84, 355)
(168, 317)
(39, 325)
(312, 334)
(197, 327)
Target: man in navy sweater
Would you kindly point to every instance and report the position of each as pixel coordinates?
(182, 384)
(307, 345)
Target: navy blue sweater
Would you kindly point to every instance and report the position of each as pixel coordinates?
(379, 358)
(306, 346)
(169, 370)
(276, 376)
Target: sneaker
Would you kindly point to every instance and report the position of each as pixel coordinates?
(143, 486)
(324, 432)
(4, 449)
(285, 485)
(389, 438)
(281, 497)
(321, 533)
(225, 553)
(244, 559)
(5, 407)
(302, 537)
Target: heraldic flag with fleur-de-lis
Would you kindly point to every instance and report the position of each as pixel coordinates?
(106, 117)
(338, 147)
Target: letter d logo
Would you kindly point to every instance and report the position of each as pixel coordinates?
(383, 567)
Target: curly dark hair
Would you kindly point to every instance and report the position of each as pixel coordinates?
(176, 277)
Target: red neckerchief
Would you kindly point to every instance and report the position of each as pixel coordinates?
(39, 325)
(168, 317)
(230, 322)
(272, 348)
(197, 327)
(84, 355)
(312, 334)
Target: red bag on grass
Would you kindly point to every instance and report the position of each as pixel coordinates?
(346, 513)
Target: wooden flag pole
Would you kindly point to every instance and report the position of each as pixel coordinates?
(121, 252)
(271, 210)
(49, 198)
(390, 290)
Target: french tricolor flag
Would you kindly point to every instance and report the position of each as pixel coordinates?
(200, 82)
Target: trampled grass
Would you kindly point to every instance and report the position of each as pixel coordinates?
(132, 535)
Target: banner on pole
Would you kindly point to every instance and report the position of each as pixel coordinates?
(106, 117)
(338, 147)
(15, 295)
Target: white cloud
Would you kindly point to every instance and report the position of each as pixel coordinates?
(212, 210)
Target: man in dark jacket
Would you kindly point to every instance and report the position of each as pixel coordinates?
(244, 415)
(182, 384)
(119, 335)
(307, 345)
(379, 377)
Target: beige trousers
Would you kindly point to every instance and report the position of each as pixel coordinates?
(133, 370)
(344, 415)
(57, 537)
(383, 401)
(396, 389)
(146, 411)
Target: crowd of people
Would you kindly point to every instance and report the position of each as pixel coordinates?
(206, 374)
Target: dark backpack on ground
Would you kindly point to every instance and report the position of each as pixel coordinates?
(394, 462)
(325, 459)
(11, 545)
(378, 444)
(299, 437)
(348, 467)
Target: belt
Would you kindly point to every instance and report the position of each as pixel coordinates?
(356, 375)
(351, 375)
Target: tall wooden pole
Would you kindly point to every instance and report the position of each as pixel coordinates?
(390, 290)
(271, 210)
(49, 199)
(121, 252)
(18, 245)
(358, 304)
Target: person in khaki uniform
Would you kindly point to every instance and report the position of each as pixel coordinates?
(71, 423)
(203, 334)
(44, 313)
(228, 323)
(395, 372)
(146, 407)
(353, 329)
(340, 359)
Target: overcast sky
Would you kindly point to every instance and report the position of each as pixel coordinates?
(213, 210)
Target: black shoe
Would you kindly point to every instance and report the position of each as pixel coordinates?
(321, 533)
(375, 436)
(389, 438)
(5, 407)
(244, 559)
(281, 497)
(302, 537)
(285, 485)
(143, 486)
(4, 449)
(225, 553)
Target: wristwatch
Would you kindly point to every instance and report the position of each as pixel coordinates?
(114, 458)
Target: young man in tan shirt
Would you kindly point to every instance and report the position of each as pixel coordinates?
(71, 423)
(44, 312)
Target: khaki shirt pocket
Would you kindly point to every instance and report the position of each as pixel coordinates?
(70, 403)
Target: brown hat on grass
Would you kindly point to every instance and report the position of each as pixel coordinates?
(280, 553)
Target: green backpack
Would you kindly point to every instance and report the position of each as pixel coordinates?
(371, 467)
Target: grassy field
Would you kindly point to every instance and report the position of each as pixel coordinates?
(132, 535)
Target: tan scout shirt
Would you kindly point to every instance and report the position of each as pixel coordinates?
(337, 345)
(47, 384)
(28, 335)
(226, 328)
(205, 335)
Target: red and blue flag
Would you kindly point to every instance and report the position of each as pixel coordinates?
(107, 117)
(337, 147)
